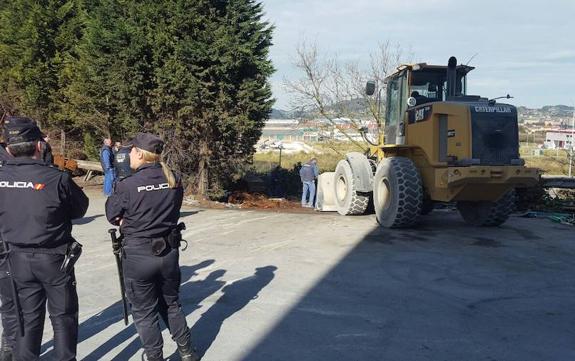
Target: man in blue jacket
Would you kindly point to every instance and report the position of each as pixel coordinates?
(107, 162)
(308, 174)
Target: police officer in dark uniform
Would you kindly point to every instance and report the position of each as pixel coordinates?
(37, 205)
(122, 162)
(46, 152)
(146, 206)
(7, 311)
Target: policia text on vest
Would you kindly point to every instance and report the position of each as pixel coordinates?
(146, 205)
(37, 205)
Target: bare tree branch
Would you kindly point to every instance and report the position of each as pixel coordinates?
(334, 89)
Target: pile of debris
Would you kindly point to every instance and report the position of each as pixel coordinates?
(557, 217)
(259, 201)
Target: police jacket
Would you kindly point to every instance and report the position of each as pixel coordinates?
(144, 201)
(47, 155)
(122, 162)
(3, 156)
(3, 153)
(37, 204)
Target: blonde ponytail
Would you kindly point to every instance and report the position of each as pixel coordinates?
(171, 178)
(150, 157)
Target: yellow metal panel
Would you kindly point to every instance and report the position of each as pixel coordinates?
(480, 183)
(459, 132)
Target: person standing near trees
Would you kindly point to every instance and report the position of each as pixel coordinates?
(8, 314)
(47, 155)
(308, 174)
(122, 161)
(37, 205)
(107, 162)
(146, 205)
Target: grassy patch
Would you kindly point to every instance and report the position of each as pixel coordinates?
(551, 161)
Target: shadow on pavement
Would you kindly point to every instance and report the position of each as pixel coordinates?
(86, 220)
(445, 291)
(235, 297)
(190, 213)
(113, 314)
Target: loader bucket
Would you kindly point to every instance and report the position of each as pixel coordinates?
(326, 192)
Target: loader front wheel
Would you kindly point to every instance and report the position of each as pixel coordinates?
(487, 214)
(397, 193)
(348, 200)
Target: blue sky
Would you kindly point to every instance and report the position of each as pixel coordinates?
(525, 48)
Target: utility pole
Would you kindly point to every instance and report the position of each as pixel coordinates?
(572, 141)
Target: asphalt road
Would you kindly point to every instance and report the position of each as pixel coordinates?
(264, 286)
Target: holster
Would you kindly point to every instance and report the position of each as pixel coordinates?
(72, 254)
(174, 238)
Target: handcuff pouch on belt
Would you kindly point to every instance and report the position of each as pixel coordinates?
(158, 246)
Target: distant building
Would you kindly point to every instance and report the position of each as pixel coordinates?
(559, 139)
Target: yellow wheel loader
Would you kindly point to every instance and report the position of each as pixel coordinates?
(438, 145)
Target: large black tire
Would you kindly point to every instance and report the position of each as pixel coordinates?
(397, 193)
(347, 199)
(488, 214)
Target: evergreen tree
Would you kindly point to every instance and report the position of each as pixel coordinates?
(107, 92)
(212, 94)
(194, 71)
(37, 42)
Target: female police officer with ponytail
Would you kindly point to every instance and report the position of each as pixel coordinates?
(146, 206)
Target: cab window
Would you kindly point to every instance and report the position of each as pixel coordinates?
(394, 101)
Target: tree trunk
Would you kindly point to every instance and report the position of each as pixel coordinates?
(203, 169)
(62, 142)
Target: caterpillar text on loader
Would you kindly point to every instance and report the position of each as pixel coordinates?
(438, 145)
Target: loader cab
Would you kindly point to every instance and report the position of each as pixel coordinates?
(430, 84)
(396, 101)
(426, 84)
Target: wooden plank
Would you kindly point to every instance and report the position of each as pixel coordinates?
(89, 165)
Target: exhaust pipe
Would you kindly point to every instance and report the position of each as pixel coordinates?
(452, 77)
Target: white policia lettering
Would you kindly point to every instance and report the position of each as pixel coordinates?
(5, 184)
(152, 188)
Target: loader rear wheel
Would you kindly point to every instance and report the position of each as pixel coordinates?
(397, 193)
(348, 200)
(487, 214)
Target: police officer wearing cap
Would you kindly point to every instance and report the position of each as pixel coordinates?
(7, 311)
(37, 205)
(146, 206)
(122, 162)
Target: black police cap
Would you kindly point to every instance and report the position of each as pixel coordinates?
(21, 130)
(149, 142)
